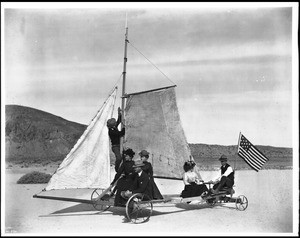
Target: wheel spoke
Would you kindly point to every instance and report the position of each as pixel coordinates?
(137, 210)
(241, 203)
(95, 197)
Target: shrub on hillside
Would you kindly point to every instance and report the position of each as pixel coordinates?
(34, 177)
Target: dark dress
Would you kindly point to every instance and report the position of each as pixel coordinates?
(148, 169)
(124, 183)
(193, 190)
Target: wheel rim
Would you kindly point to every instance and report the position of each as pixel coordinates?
(95, 197)
(139, 208)
(241, 203)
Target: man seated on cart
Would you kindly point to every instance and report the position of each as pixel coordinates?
(141, 184)
(226, 178)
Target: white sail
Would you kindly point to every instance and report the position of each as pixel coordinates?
(88, 163)
(153, 124)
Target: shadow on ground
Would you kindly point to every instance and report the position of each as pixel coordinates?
(88, 209)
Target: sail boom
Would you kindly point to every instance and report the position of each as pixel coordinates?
(152, 90)
(171, 178)
(64, 199)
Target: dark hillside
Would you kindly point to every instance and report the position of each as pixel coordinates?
(33, 135)
(207, 156)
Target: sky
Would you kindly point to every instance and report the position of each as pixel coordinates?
(233, 64)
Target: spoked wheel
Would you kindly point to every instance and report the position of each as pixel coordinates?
(97, 204)
(241, 203)
(139, 208)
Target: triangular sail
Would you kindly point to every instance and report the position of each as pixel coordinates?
(88, 163)
(153, 123)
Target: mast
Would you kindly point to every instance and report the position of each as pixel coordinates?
(124, 79)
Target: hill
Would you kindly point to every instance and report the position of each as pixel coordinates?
(207, 156)
(35, 136)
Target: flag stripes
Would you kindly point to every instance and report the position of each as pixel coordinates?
(251, 154)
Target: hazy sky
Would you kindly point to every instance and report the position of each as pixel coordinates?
(232, 65)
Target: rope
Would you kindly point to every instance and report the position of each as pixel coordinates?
(118, 80)
(116, 94)
(151, 62)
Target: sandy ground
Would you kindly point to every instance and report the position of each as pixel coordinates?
(270, 210)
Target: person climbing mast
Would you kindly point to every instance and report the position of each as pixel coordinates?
(115, 136)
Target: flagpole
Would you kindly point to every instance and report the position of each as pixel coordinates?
(237, 148)
(240, 135)
(124, 80)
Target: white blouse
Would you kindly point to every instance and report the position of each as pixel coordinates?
(190, 177)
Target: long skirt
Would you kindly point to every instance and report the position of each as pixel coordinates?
(155, 191)
(193, 190)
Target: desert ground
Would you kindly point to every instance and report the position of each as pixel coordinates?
(270, 210)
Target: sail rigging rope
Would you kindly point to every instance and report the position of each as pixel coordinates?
(114, 87)
(150, 62)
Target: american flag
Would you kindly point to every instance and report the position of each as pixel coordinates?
(251, 154)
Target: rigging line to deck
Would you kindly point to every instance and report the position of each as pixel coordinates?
(151, 62)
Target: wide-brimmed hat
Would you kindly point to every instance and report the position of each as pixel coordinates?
(129, 152)
(111, 122)
(138, 163)
(223, 158)
(144, 153)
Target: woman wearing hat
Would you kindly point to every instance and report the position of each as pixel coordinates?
(192, 187)
(128, 175)
(144, 155)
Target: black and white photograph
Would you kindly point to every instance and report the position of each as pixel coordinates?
(149, 119)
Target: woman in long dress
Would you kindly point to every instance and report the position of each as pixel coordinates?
(192, 182)
(144, 155)
(128, 175)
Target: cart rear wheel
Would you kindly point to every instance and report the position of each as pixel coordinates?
(241, 203)
(139, 208)
(97, 204)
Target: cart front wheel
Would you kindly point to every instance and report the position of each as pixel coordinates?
(139, 208)
(97, 202)
(241, 203)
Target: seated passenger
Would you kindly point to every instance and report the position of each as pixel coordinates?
(144, 155)
(128, 176)
(141, 183)
(192, 182)
(226, 178)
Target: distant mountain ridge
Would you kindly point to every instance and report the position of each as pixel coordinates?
(35, 136)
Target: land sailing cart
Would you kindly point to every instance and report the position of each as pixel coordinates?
(139, 206)
(152, 122)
